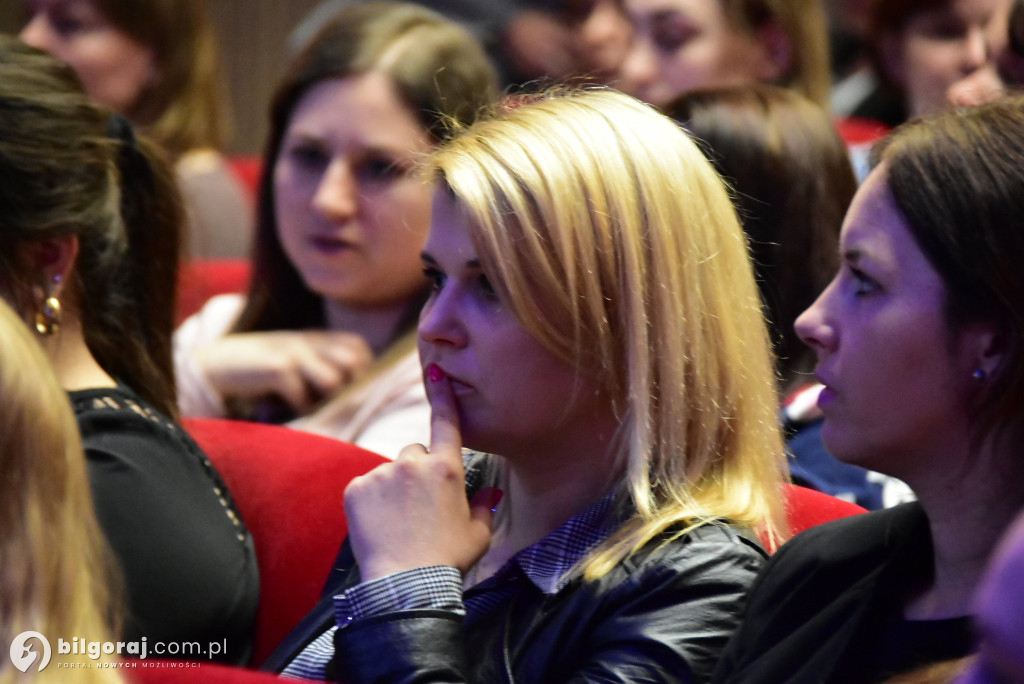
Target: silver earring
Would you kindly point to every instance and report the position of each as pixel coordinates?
(979, 375)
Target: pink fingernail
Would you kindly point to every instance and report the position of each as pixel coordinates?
(435, 373)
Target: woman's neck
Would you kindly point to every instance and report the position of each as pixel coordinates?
(544, 490)
(378, 325)
(968, 510)
(74, 365)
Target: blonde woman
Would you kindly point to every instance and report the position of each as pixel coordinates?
(605, 338)
(54, 569)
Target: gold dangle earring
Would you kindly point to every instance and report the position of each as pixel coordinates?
(49, 315)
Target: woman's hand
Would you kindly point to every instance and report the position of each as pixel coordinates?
(302, 366)
(413, 511)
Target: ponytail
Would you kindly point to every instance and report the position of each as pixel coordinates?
(130, 332)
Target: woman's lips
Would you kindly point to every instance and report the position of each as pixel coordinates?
(826, 397)
(459, 387)
(330, 244)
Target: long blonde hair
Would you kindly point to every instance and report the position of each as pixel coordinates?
(55, 575)
(615, 244)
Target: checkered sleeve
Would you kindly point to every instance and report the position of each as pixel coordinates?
(436, 586)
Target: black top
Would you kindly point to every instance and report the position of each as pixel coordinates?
(188, 561)
(828, 607)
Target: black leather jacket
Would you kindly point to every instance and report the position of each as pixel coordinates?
(663, 615)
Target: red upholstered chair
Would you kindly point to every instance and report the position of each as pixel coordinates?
(249, 170)
(200, 279)
(807, 507)
(173, 672)
(288, 487)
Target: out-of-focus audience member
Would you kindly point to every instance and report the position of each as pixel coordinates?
(526, 39)
(919, 341)
(56, 577)
(326, 333)
(857, 92)
(602, 34)
(922, 47)
(680, 45)
(1005, 67)
(792, 182)
(1000, 615)
(157, 63)
(88, 258)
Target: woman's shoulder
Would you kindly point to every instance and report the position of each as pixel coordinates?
(100, 408)
(713, 553)
(811, 570)
(868, 537)
(120, 429)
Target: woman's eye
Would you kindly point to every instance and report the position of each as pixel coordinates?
(486, 287)
(75, 19)
(863, 284)
(378, 170)
(308, 156)
(435, 277)
(671, 34)
(943, 27)
(67, 27)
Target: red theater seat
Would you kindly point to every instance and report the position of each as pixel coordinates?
(288, 487)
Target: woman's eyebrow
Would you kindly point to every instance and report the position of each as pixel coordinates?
(470, 263)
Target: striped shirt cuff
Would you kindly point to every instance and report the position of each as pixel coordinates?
(433, 586)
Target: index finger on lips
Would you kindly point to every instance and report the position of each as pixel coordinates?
(444, 414)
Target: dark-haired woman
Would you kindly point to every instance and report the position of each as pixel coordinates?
(88, 256)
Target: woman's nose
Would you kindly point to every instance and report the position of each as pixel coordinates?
(38, 33)
(440, 321)
(975, 50)
(639, 67)
(337, 196)
(814, 327)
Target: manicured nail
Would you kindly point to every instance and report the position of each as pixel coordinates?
(435, 373)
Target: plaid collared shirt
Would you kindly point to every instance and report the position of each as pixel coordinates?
(546, 564)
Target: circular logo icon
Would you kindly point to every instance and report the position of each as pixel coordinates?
(24, 652)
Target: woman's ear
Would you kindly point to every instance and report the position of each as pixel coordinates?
(778, 52)
(985, 345)
(51, 260)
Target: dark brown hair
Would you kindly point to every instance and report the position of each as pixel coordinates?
(792, 182)
(65, 170)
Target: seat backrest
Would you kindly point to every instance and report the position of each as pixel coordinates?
(200, 279)
(249, 170)
(288, 487)
(177, 671)
(807, 507)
